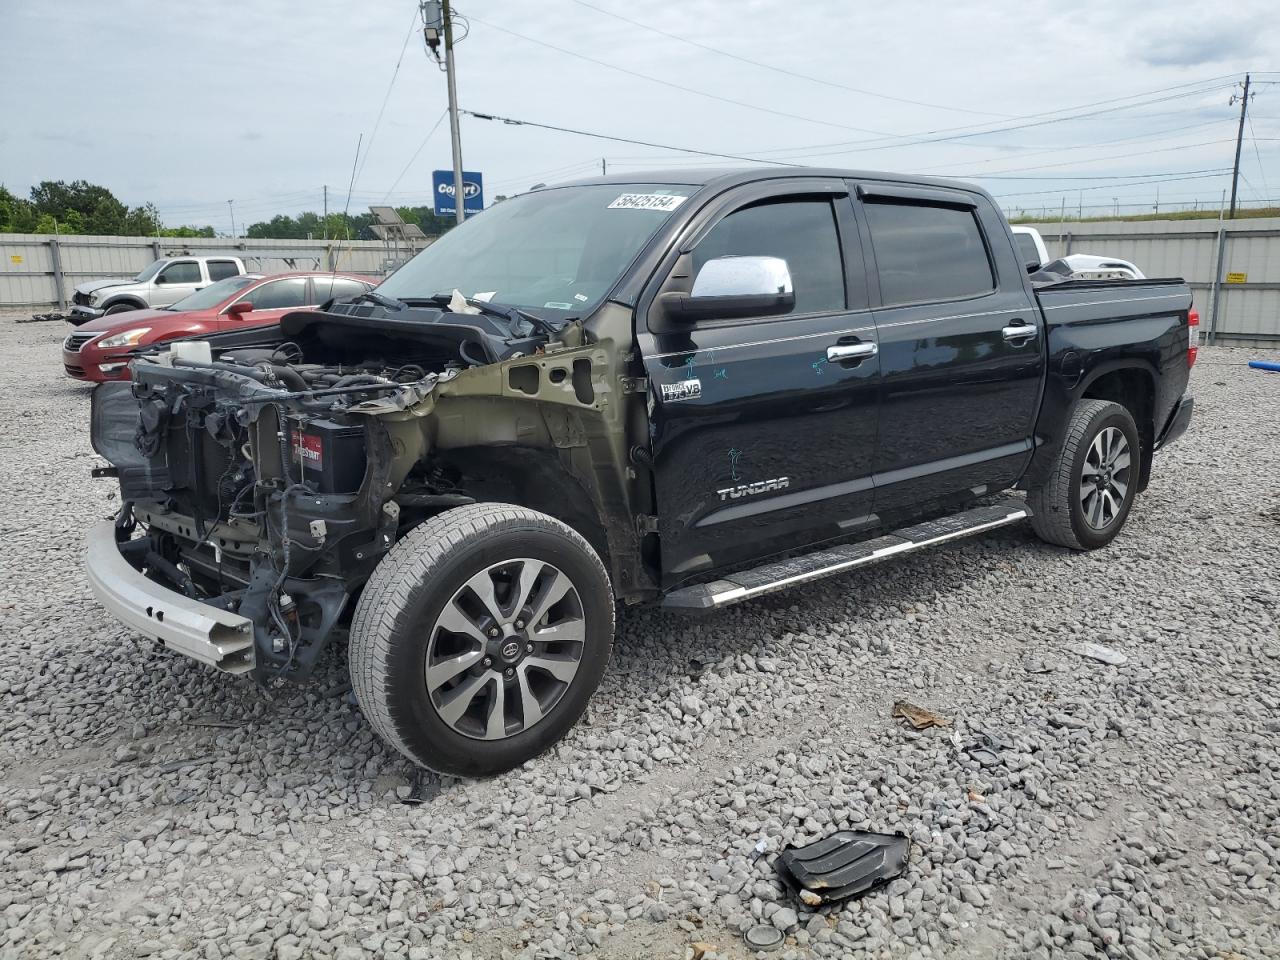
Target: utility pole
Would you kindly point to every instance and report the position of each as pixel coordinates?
(1235, 173)
(459, 200)
(231, 205)
(604, 167)
(326, 212)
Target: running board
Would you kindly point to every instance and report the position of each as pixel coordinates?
(747, 584)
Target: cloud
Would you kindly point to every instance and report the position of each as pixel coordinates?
(1192, 45)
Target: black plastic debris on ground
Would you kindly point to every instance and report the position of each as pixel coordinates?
(843, 865)
(986, 749)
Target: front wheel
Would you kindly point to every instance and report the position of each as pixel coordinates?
(119, 308)
(480, 638)
(1086, 499)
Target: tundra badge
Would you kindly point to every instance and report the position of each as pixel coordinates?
(751, 489)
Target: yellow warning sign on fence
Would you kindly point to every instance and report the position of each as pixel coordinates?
(1237, 278)
(16, 259)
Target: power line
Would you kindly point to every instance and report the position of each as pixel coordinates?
(413, 22)
(784, 70)
(1225, 171)
(604, 136)
(1072, 163)
(1257, 153)
(1110, 176)
(414, 158)
(868, 145)
(677, 86)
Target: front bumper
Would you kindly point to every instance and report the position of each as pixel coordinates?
(1178, 422)
(94, 366)
(217, 637)
(79, 314)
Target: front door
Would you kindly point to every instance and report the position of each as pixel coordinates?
(961, 348)
(762, 440)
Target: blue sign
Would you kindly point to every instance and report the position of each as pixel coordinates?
(442, 190)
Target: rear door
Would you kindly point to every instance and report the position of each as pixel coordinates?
(325, 288)
(961, 347)
(270, 301)
(175, 281)
(760, 441)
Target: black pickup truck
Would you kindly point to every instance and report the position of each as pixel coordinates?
(688, 389)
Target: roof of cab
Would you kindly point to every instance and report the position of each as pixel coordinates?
(724, 177)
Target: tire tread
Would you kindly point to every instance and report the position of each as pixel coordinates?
(1050, 502)
(422, 552)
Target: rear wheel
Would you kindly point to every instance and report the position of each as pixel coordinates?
(1086, 499)
(480, 638)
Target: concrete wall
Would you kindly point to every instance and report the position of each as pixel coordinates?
(1247, 312)
(41, 271)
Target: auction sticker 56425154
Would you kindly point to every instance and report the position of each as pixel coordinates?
(665, 202)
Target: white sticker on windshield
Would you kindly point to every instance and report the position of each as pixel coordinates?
(647, 201)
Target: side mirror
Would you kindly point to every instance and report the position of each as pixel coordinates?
(1032, 266)
(239, 307)
(729, 288)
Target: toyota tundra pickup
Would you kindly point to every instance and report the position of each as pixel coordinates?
(687, 389)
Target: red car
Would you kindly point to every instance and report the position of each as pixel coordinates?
(100, 349)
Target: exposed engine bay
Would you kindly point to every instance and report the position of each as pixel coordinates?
(266, 471)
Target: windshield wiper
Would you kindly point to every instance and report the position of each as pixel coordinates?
(391, 303)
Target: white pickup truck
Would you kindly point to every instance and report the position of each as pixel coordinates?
(1083, 266)
(164, 282)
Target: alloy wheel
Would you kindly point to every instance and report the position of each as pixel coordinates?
(504, 649)
(1105, 478)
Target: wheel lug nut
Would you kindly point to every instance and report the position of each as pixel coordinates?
(494, 631)
(528, 648)
(519, 624)
(511, 672)
(488, 661)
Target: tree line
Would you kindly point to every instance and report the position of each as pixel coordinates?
(80, 207)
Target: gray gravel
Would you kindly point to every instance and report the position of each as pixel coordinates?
(152, 807)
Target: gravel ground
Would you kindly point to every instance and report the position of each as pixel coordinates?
(150, 806)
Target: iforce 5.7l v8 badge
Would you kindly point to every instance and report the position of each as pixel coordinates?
(682, 390)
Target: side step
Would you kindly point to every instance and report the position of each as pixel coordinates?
(747, 584)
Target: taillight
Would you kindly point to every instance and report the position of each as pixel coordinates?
(1193, 336)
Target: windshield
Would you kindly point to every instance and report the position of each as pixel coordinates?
(151, 271)
(551, 251)
(213, 294)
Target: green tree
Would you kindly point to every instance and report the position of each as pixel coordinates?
(56, 198)
(107, 218)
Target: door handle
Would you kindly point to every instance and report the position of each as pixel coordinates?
(851, 351)
(1019, 331)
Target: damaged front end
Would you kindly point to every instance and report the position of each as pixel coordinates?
(264, 482)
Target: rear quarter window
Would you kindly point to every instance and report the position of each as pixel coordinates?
(221, 269)
(926, 253)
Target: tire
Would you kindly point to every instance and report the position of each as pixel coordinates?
(425, 607)
(120, 308)
(1086, 499)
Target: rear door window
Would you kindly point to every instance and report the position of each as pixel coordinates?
(801, 232)
(279, 294)
(339, 288)
(221, 269)
(926, 252)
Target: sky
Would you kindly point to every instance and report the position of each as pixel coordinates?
(264, 102)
